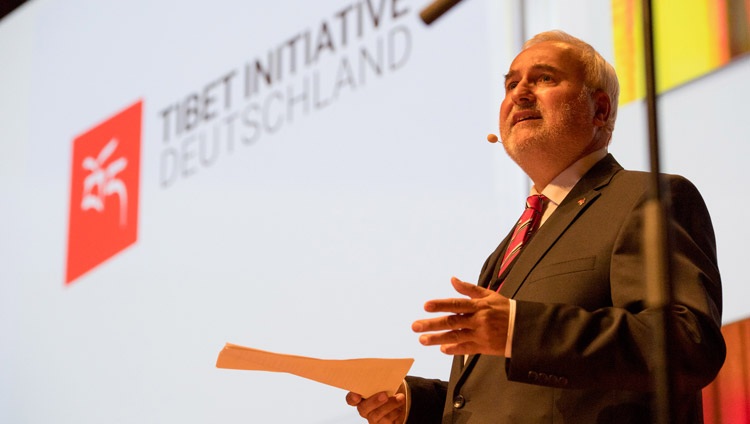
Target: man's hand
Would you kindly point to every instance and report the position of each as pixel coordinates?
(478, 324)
(379, 408)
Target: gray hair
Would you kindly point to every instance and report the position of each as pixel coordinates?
(599, 74)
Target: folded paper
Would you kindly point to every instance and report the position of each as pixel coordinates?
(366, 376)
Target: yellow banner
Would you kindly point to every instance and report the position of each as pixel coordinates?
(691, 38)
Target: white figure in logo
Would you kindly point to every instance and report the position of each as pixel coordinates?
(102, 182)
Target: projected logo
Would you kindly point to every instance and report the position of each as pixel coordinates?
(104, 191)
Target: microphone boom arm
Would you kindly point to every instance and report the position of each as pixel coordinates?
(436, 9)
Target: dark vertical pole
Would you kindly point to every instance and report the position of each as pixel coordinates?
(659, 296)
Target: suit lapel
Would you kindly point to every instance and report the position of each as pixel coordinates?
(489, 278)
(580, 198)
(542, 241)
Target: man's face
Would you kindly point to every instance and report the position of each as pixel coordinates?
(546, 110)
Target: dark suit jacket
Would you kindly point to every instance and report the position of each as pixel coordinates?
(583, 341)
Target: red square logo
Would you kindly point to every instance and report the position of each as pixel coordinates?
(104, 191)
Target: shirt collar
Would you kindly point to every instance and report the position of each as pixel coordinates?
(562, 184)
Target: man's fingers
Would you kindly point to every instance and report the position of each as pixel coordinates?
(353, 399)
(389, 411)
(458, 306)
(446, 337)
(468, 289)
(447, 322)
(393, 416)
(366, 406)
(477, 324)
(469, 348)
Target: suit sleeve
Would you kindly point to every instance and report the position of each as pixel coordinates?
(612, 347)
(427, 400)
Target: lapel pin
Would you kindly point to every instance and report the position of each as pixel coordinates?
(581, 201)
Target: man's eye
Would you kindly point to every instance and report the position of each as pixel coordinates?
(511, 85)
(545, 78)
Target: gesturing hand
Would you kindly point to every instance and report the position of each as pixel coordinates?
(478, 324)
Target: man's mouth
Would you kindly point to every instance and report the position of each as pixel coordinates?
(525, 116)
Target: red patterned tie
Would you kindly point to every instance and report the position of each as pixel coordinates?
(526, 226)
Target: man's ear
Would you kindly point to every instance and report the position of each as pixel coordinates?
(602, 107)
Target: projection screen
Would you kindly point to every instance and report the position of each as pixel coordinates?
(293, 176)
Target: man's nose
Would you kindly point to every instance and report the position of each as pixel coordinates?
(522, 93)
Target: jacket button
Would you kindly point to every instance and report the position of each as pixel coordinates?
(533, 376)
(459, 402)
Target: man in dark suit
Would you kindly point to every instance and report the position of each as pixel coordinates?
(563, 334)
